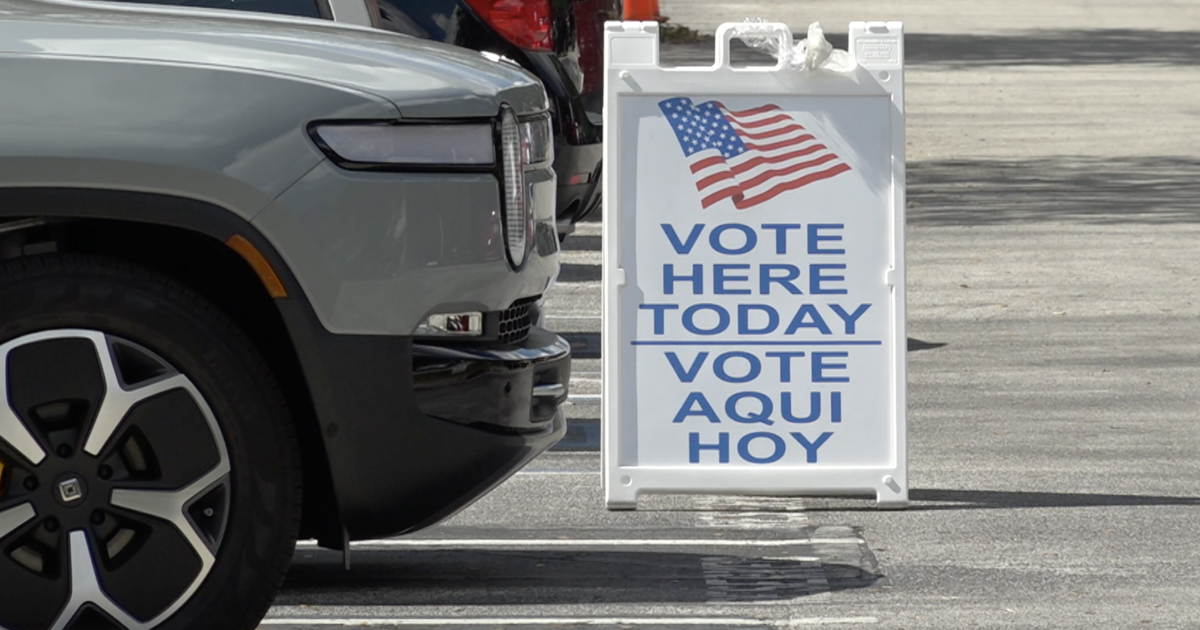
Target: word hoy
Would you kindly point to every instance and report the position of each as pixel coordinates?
(759, 447)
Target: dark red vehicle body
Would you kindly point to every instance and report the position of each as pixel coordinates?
(560, 41)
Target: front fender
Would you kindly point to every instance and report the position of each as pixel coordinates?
(235, 139)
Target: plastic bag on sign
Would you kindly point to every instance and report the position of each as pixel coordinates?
(814, 52)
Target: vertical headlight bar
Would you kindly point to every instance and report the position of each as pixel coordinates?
(517, 216)
(524, 144)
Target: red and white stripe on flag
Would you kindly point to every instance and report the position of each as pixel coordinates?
(779, 155)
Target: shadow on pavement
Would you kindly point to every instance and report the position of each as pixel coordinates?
(581, 243)
(1059, 47)
(505, 577)
(1148, 190)
(924, 500)
(990, 499)
(571, 272)
(991, 192)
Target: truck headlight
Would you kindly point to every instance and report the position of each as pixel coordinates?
(524, 144)
(537, 141)
(384, 145)
(518, 217)
(470, 146)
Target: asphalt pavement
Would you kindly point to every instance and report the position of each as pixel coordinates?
(1054, 378)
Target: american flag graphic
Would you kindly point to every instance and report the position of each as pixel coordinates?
(749, 156)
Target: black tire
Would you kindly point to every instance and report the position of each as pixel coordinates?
(139, 310)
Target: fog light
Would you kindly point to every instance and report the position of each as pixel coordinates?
(452, 325)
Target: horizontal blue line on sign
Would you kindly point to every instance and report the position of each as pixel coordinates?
(756, 343)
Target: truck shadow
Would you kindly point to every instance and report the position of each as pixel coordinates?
(485, 577)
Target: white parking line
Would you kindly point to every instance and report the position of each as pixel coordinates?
(559, 472)
(521, 621)
(596, 542)
(723, 622)
(827, 621)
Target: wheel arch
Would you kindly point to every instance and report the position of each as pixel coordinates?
(211, 250)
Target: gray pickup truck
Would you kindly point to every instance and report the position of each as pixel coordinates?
(261, 278)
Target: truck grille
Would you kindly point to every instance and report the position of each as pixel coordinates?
(515, 321)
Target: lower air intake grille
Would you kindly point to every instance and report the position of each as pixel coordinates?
(515, 321)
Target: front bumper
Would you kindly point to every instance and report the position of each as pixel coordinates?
(413, 433)
(511, 391)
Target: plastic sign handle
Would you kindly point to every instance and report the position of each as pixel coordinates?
(727, 32)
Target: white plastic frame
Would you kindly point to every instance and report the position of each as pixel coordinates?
(632, 68)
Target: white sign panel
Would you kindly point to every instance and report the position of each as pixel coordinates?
(754, 327)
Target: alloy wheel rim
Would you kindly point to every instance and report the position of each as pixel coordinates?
(115, 493)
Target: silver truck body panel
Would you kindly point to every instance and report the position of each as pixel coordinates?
(373, 259)
(234, 144)
(374, 252)
(423, 78)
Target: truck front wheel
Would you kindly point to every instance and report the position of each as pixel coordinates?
(149, 470)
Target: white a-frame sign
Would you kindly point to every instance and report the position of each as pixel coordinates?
(754, 322)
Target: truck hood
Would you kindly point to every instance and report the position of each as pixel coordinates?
(423, 79)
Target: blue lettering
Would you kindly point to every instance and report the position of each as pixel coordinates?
(785, 364)
(686, 246)
(705, 410)
(781, 230)
(688, 375)
(721, 447)
(766, 278)
(811, 447)
(719, 280)
(689, 317)
(807, 316)
(714, 239)
(766, 408)
(835, 404)
(658, 309)
(744, 319)
(850, 318)
(669, 279)
(814, 408)
(819, 366)
(780, 447)
(815, 237)
(816, 277)
(753, 370)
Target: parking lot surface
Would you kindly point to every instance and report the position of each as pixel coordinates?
(1054, 356)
